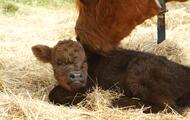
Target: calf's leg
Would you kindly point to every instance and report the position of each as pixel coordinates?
(58, 95)
(125, 101)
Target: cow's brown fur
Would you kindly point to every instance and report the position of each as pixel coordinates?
(102, 24)
(154, 79)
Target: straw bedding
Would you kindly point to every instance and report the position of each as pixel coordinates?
(25, 82)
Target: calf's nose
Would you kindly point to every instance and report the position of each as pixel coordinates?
(76, 76)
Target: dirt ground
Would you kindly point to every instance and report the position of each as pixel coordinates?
(25, 82)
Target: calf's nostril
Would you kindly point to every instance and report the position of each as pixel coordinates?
(72, 76)
(80, 75)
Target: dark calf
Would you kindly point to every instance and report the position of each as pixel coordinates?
(153, 79)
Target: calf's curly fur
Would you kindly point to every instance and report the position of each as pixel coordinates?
(153, 79)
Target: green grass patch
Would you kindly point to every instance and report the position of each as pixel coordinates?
(12, 6)
(9, 8)
(55, 3)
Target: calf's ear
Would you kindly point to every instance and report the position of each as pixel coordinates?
(42, 53)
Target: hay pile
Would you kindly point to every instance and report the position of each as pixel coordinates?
(25, 82)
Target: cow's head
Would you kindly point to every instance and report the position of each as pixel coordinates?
(68, 61)
(102, 24)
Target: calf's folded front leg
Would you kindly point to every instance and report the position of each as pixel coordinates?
(58, 95)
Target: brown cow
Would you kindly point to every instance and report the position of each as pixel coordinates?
(102, 24)
(154, 79)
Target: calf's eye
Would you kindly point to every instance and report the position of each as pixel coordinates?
(59, 62)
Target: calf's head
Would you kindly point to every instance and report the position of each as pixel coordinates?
(68, 61)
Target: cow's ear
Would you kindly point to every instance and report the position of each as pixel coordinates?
(42, 53)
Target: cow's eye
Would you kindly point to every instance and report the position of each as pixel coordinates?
(60, 62)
